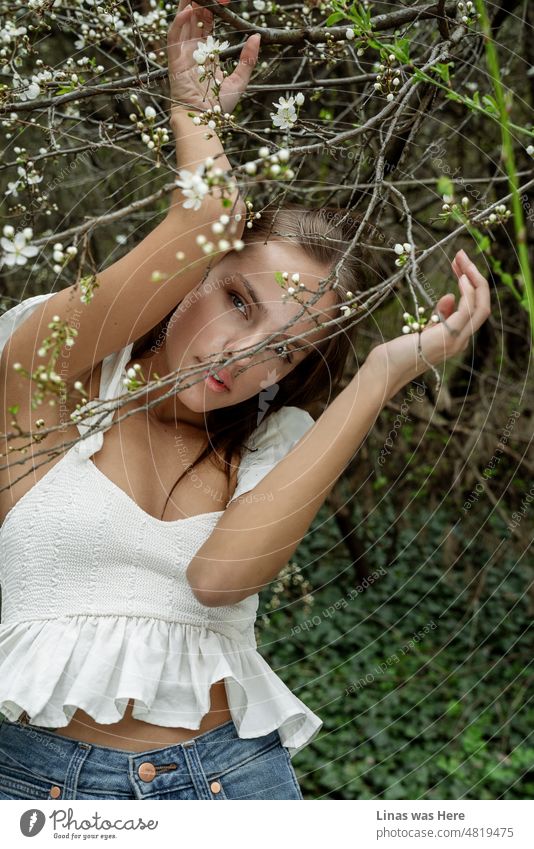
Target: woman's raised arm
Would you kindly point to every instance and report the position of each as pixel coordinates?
(126, 302)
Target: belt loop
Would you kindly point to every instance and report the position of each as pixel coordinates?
(196, 771)
(73, 770)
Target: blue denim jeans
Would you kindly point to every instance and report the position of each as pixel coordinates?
(36, 763)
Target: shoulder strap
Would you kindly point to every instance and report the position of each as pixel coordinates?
(111, 376)
(111, 388)
(15, 316)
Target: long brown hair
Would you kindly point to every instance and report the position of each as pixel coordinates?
(324, 234)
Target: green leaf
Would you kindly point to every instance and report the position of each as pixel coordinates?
(491, 104)
(333, 19)
(445, 186)
(401, 49)
(14, 409)
(483, 243)
(443, 69)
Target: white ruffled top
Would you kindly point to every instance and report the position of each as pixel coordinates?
(96, 606)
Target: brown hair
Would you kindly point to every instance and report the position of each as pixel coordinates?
(324, 234)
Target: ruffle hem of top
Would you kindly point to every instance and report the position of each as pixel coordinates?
(108, 657)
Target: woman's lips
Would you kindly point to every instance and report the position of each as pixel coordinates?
(223, 374)
(213, 384)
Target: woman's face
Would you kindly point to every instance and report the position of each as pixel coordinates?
(220, 316)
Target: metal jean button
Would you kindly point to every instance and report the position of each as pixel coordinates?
(146, 771)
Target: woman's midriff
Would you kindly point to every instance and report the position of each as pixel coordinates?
(134, 735)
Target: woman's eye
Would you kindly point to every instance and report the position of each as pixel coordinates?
(287, 356)
(239, 298)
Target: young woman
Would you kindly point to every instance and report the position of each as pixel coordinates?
(131, 565)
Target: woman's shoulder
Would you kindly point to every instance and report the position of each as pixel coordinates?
(272, 439)
(278, 432)
(281, 428)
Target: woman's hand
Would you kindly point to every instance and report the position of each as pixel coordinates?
(399, 361)
(183, 41)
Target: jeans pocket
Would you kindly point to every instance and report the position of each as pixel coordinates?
(23, 784)
(268, 775)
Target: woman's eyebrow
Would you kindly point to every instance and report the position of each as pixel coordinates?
(263, 309)
(252, 293)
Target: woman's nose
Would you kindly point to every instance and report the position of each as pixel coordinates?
(246, 345)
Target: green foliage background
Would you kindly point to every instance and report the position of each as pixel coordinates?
(454, 718)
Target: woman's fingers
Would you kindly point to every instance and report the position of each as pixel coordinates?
(247, 60)
(192, 32)
(251, 48)
(469, 316)
(478, 281)
(477, 289)
(235, 84)
(475, 303)
(177, 30)
(203, 16)
(467, 305)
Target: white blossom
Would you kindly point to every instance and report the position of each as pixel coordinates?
(211, 45)
(193, 186)
(30, 178)
(12, 189)
(286, 115)
(30, 88)
(17, 251)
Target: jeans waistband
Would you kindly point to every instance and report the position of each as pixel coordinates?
(85, 766)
